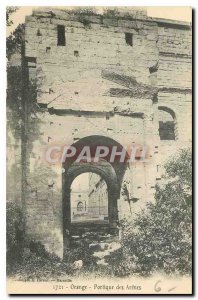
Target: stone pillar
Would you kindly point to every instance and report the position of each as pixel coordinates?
(151, 165)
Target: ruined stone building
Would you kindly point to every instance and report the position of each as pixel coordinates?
(98, 196)
(79, 200)
(107, 79)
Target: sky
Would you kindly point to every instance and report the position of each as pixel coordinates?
(180, 13)
(81, 182)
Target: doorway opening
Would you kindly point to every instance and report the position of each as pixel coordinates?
(89, 199)
(93, 211)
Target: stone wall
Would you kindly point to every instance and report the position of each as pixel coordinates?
(175, 81)
(97, 84)
(98, 196)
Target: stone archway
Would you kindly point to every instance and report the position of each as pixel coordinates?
(97, 140)
(112, 173)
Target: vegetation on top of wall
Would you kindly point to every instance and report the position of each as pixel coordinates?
(115, 13)
(9, 11)
(83, 14)
(14, 41)
(84, 10)
(14, 75)
(111, 13)
(84, 20)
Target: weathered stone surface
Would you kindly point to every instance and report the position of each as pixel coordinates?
(98, 85)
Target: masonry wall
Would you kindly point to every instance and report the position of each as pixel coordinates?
(175, 81)
(98, 85)
(98, 196)
(13, 138)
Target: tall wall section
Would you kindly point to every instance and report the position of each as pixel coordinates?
(108, 79)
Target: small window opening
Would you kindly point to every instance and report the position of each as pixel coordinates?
(166, 126)
(80, 206)
(76, 53)
(166, 130)
(61, 35)
(129, 38)
(39, 32)
(107, 116)
(31, 61)
(93, 206)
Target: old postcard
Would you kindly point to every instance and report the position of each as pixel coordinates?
(99, 138)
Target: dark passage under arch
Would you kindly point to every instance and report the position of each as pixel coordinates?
(112, 173)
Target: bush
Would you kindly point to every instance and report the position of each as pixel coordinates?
(159, 238)
(14, 233)
(81, 253)
(27, 259)
(37, 264)
(40, 265)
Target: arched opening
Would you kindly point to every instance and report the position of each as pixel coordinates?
(89, 199)
(93, 142)
(80, 207)
(110, 172)
(167, 122)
